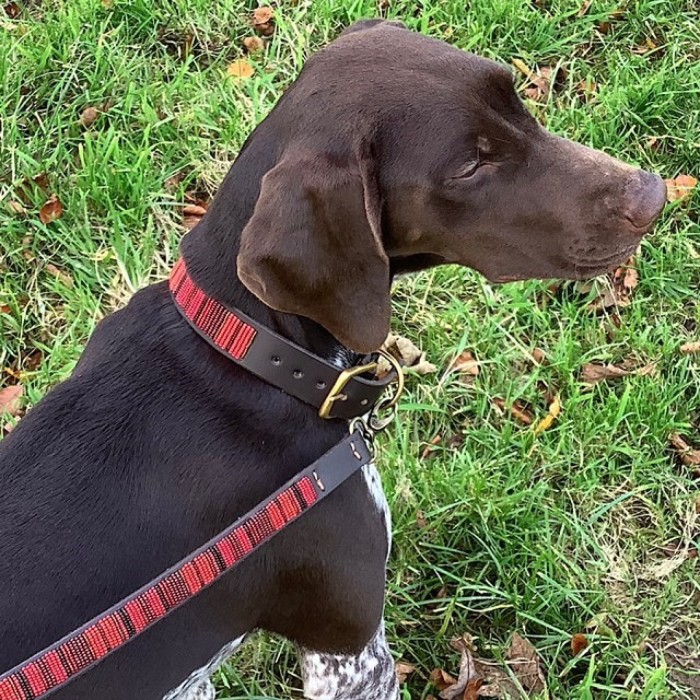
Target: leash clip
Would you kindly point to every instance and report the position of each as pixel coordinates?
(373, 423)
(376, 422)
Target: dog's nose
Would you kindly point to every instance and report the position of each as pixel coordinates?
(646, 197)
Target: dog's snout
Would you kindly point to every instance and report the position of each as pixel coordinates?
(646, 197)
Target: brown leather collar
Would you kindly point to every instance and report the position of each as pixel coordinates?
(337, 393)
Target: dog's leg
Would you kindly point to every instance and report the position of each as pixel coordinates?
(198, 686)
(369, 675)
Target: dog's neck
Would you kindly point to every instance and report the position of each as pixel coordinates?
(211, 249)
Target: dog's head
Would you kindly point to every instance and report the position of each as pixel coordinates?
(402, 152)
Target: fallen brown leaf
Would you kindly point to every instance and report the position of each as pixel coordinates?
(194, 210)
(192, 214)
(407, 353)
(59, 274)
(88, 116)
(13, 10)
(688, 454)
(5, 309)
(579, 642)
(263, 15)
(403, 670)
(465, 363)
(525, 664)
(584, 8)
(441, 679)
(552, 415)
(264, 20)
(539, 356)
(467, 685)
(517, 410)
(17, 207)
(52, 210)
(41, 181)
(240, 69)
(173, 182)
(690, 348)
(617, 291)
(593, 372)
(680, 187)
(10, 398)
(253, 44)
(542, 79)
(33, 360)
(429, 448)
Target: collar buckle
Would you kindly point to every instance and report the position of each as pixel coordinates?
(335, 394)
(389, 402)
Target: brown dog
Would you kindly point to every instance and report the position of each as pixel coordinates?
(392, 152)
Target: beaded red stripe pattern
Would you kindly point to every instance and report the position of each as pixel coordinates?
(223, 327)
(75, 654)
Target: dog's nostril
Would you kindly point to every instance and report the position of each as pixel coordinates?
(646, 199)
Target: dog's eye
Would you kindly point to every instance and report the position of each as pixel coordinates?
(468, 170)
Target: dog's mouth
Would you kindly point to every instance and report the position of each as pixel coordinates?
(584, 267)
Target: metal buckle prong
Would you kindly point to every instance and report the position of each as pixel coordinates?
(335, 394)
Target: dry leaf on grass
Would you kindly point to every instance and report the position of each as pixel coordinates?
(430, 447)
(17, 207)
(465, 363)
(88, 116)
(52, 210)
(552, 415)
(481, 678)
(605, 27)
(579, 642)
(407, 353)
(10, 398)
(525, 663)
(59, 274)
(403, 670)
(467, 366)
(584, 8)
(542, 80)
(253, 44)
(539, 356)
(467, 685)
(13, 10)
(192, 214)
(441, 679)
(593, 372)
(240, 69)
(680, 187)
(264, 20)
(453, 442)
(688, 454)
(690, 348)
(517, 410)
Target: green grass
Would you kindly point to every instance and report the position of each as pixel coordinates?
(539, 534)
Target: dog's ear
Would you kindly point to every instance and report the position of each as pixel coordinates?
(313, 246)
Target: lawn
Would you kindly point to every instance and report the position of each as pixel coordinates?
(590, 527)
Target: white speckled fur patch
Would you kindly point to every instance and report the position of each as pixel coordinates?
(198, 686)
(368, 676)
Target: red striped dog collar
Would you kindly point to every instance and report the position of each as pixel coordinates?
(337, 393)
